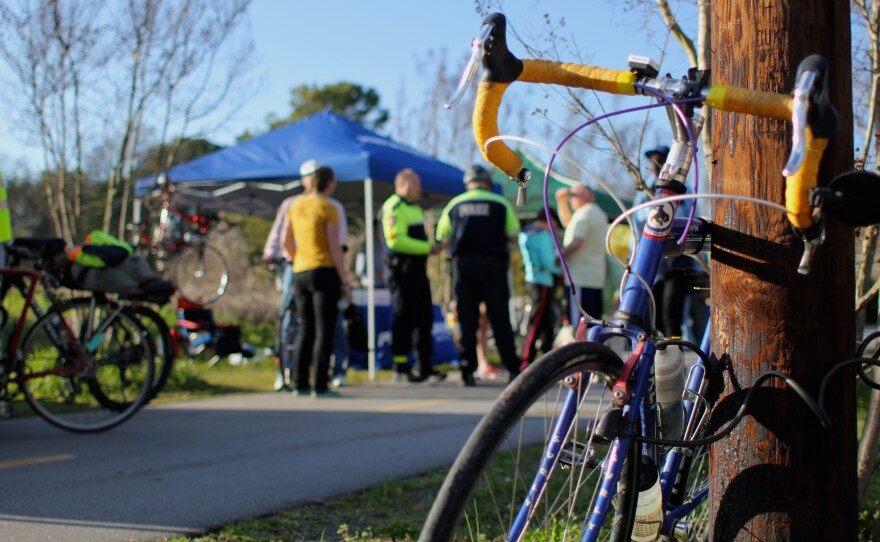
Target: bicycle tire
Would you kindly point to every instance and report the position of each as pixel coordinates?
(694, 526)
(163, 343)
(287, 342)
(118, 377)
(158, 333)
(201, 274)
(508, 433)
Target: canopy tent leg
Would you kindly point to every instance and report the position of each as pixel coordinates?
(371, 276)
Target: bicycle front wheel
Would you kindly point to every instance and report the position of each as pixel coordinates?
(163, 344)
(158, 333)
(694, 526)
(97, 390)
(483, 496)
(201, 274)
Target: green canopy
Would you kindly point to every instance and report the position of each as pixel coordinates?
(535, 200)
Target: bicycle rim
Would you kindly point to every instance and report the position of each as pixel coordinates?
(694, 526)
(163, 344)
(201, 274)
(486, 487)
(86, 396)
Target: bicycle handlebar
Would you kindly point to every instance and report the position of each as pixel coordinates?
(810, 111)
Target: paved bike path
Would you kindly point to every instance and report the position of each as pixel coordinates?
(188, 467)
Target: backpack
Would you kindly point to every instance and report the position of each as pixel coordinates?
(105, 264)
(100, 250)
(355, 328)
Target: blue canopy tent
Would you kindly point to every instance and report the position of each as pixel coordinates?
(254, 176)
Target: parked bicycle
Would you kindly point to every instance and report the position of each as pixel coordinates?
(179, 243)
(84, 368)
(586, 444)
(158, 332)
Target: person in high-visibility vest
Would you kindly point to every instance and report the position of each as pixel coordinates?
(407, 249)
(5, 221)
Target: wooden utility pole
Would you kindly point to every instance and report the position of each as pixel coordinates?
(780, 475)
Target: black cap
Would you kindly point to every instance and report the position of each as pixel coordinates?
(477, 174)
(662, 150)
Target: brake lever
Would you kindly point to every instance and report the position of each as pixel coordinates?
(799, 107)
(810, 246)
(477, 53)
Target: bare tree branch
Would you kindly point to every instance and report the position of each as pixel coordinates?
(672, 24)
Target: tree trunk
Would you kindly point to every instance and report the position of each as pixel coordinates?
(779, 475)
(704, 62)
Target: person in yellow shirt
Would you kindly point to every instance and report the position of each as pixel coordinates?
(318, 276)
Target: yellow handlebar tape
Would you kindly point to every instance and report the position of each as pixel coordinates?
(578, 76)
(485, 120)
(489, 96)
(797, 186)
(777, 106)
(721, 97)
(753, 102)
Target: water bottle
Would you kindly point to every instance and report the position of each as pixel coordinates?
(669, 384)
(649, 508)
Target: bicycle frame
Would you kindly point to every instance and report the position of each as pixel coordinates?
(632, 321)
(199, 221)
(630, 418)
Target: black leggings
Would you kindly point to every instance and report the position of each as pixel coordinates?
(317, 296)
(479, 278)
(542, 320)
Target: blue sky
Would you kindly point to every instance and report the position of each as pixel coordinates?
(377, 44)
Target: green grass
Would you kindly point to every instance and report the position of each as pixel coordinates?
(393, 511)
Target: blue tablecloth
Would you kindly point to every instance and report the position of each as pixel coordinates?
(444, 346)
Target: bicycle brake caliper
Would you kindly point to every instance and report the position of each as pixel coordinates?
(620, 390)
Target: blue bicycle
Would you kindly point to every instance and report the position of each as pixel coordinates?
(605, 438)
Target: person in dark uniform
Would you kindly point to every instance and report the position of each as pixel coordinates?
(406, 256)
(478, 227)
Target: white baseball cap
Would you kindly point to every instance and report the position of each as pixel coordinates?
(308, 167)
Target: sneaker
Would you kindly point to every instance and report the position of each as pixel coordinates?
(490, 373)
(279, 383)
(301, 393)
(400, 378)
(325, 393)
(416, 377)
(437, 377)
(339, 381)
(468, 380)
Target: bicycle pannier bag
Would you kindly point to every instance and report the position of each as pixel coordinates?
(124, 278)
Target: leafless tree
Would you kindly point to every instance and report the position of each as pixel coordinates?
(866, 85)
(173, 49)
(611, 149)
(54, 50)
(83, 72)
